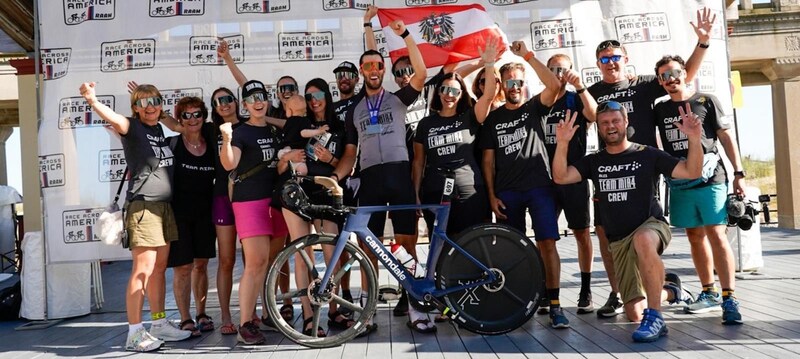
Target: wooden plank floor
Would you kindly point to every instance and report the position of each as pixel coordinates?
(769, 305)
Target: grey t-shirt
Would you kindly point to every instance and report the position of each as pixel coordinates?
(147, 150)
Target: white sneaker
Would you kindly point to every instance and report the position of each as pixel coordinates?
(168, 332)
(142, 341)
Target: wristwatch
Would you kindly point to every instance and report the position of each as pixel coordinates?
(741, 174)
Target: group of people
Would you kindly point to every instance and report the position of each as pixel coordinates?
(510, 153)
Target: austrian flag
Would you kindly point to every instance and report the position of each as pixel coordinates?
(444, 34)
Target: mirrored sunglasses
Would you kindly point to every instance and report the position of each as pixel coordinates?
(287, 88)
(372, 66)
(610, 106)
(149, 101)
(188, 115)
(316, 95)
(558, 70)
(256, 97)
(448, 90)
(224, 100)
(606, 59)
(670, 74)
(514, 82)
(406, 71)
(346, 75)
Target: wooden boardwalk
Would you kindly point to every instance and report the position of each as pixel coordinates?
(769, 305)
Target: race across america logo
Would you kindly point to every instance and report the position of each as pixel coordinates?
(111, 165)
(329, 5)
(75, 112)
(642, 27)
(55, 62)
(554, 34)
(262, 7)
(51, 170)
(203, 49)
(78, 11)
(167, 8)
(126, 55)
(380, 40)
(78, 224)
(305, 46)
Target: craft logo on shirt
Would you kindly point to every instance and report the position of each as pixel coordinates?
(78, 11)
(55, 62)
(125, 55)
(305, 46)
(704, 79)
(429, 2)
(172, 96)
(78, 224)
(51, 170)
(380, 40)
(167, 8)
(203, 49)
(111, 165)
(642, 27)
(507, 2)
(329, 5)
(554, 34)
(437, 29)
(75, 112)
(261, 7)
(592, 75)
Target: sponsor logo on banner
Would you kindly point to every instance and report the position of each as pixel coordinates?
(78, 11)
(127, 55)
(592, 75)
(172, 96)
(380, 40)
(203, 49)
(335, 90)
(554, 34)
(75, 112)
(166, 8)
(437, 29)
(507, 2)
(305, 46)
(51, 170)
(261, 7)
(328, 5)
(704, 79)
(78, 225)
(642, 27)
(55, 62)
(429, 2)
(111, 165)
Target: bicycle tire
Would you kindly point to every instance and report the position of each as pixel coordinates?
(360, 314)
(494, 308)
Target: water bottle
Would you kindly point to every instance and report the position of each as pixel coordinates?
(407, 260)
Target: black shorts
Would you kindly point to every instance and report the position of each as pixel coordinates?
(196, 239)
(465, 210)
(573, 199)
(389, 183)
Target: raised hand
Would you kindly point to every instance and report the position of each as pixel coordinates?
(573, 78)
(705, 22)
(690, 123)
(398, 26)
(222, 49)
(87, 91)
(489, 52)
(566, 128)
(519, 48)
(132, 85)
(226, 129)
(372, 10)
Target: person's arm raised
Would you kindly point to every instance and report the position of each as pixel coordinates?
(589, 104)
(565, 130)
(705, 22)
(417, 62)
(119, 123)
(225, 54)
(552, 85)
(484, 104)
(369, 34)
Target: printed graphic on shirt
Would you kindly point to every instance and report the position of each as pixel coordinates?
(161, 150)
(616, 181)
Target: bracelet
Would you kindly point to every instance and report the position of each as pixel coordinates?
(528, 56)
(330, 161)
(405, 34)
(702, 45)
(580, 91)
(367, 24)
(337, 177)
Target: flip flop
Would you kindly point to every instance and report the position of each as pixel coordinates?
(204, 323)
(287, 312)
(185, 326)
(228, 329)
(415, 326)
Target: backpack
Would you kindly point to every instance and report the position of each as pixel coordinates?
(10, 302)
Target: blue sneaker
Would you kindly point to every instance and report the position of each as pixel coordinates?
(706, 302)
(672, 283)
(730, 311)
(557, 318)
(651, 328)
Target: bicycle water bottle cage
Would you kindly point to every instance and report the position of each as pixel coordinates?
(295, 199)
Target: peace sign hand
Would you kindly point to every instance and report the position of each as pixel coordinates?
(566, 128)
(690, 123)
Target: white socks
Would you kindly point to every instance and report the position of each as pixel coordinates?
(132, 328)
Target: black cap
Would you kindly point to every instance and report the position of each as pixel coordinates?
(251, 87)
(346, 66)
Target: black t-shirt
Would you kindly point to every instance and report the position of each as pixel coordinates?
(340, 108)
(550, 116)
(638, 97)
(449, 143)
(333, 141)
(146, 150)
(675, 142)
(258, 144)
(624, 186)
(517, 138)
(193, 179)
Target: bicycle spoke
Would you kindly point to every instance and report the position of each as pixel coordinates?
(509, 267)
(299, 293)
(315, 321)
(344, 269)
(485, 251)
(514, 296)
(312, 270)
(346, 303)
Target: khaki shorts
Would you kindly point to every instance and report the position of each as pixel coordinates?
(626, 260)
(150, 224)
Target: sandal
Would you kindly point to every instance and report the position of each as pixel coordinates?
(307, 331)
(188, 325)
(204, 323)
(343, 324)
(228, 329)
(287, 312)
(415, 325)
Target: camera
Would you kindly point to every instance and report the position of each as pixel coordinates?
(741, 213)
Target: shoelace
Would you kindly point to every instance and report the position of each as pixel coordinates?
(730, 304)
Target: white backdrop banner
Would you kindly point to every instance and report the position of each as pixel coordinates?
(172, 44)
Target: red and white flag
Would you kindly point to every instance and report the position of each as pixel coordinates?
(445, 34)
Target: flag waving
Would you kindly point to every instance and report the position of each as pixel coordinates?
(444, 34)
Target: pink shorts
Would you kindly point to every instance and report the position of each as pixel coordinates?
(222, 211)
(258, 218)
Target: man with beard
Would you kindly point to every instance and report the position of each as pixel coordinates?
(623, 173)
(699, 205)
(376, 124)
(516, 168)
(637, 94)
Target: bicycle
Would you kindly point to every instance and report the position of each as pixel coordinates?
(488, 280)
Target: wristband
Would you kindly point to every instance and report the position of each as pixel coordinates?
(330, 162)
(337, 177)
(702, 45)
(405, 34)
(367, 24)
(580, 91)
(528, 56)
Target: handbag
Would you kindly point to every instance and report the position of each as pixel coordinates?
(233, 178)
(110, 226)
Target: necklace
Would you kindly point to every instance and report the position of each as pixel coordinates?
(192, 144)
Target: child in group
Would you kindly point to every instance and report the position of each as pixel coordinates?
(296, 112)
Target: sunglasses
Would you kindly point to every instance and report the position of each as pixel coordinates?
(189, 115)
(558, 70)
(406, 71)
(606, 59)
(224, 100)
(346, 75)
(610, 106)
(514, 82)
(372, 66)
(316, 95)
(670, 74)
(256, 97)
(608, 44)
(287, 88)
(149, 101)
(452, 91)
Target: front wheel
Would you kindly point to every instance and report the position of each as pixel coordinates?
(508, 302)
(319, 301)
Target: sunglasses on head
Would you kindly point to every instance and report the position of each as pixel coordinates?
(188, 115)
(406, 71)
(606, 59)
(149, 101)
(448, 90)
(224, 100)
(610, 106)
(514, 82)
(558, 70)
(287, 88)
(256, 97)
(670, 74)
(608, 44)
(372, 66)
(346, 75)
(316, 95)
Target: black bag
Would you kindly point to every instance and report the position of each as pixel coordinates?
(10, 302)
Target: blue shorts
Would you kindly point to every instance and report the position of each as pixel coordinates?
(540, 203)
(698, 207)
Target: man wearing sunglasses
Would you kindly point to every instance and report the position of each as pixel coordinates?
(699, 205)
(637, 94)
(638, 233)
